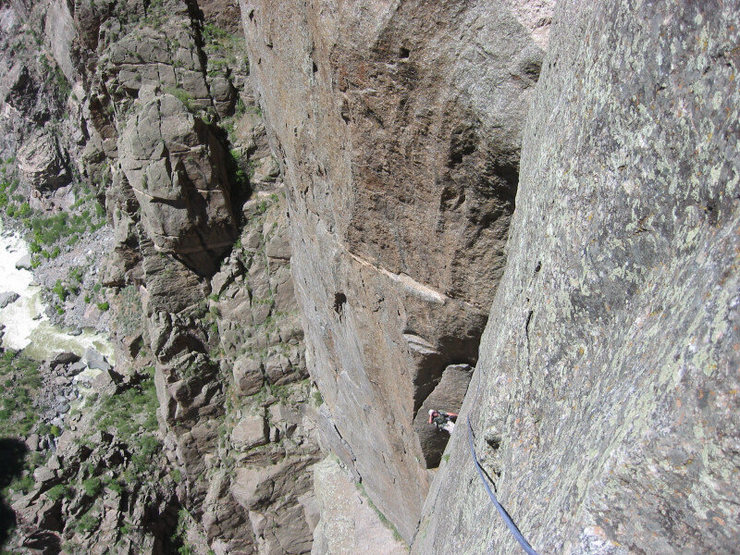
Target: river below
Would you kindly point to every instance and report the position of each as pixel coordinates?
(26, 325)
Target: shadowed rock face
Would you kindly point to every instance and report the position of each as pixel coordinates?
(13, 452)
(398, 125)
(41, 164)
(607, 403)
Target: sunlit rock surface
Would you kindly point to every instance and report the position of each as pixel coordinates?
(605, 401)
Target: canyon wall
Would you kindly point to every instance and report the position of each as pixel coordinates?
(522, 214)
(147, 106)
(605, 401)
(398, 128)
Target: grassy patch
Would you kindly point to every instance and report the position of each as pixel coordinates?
(64, 227)
(60, 291)
(318, 399)
(222, 48)
(131, 417)
(183, 96)
(92, 486)
(87, 523)
(59, 491)
(48, 233)
(238, 166)
(19, 384)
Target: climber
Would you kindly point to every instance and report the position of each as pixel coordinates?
(443, 420)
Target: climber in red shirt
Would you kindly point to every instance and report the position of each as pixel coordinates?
(443, 420)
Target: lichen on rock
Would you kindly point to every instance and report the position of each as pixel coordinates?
(608, 370)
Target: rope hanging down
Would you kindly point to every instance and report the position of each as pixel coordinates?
(507, 519)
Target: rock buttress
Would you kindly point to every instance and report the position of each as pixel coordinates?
(398, 127)
(608, 410)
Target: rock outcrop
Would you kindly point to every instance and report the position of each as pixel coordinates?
(176, 168)
(605, 399)
(348, 521)
(40, 162)
(198, 283)
(100, 479)
(398, 129)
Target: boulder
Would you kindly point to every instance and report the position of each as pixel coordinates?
(248, 375)
(32, 442)
(249, 432)
(24, 263)
(96, 361)
(44, 476)
(107, 381)
(75, 368)
(43, 541)
(64, 358)
(8, 298)
(41, 163)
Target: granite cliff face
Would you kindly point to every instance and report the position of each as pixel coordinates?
(605, 398)
(305, 224)
(398, 125)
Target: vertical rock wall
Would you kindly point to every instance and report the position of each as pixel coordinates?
(605, 400)
(398, 125)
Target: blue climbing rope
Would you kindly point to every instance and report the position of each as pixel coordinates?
(507, 519)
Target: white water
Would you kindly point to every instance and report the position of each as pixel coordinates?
(26, 325)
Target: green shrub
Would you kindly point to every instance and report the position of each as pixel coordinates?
(92, 486)
(60, 290)
(182, 95)
(105, 305)
(59, 491)
(46, 230)
(75, 274)
(19, 384)
(240, 108)
(24, 484)
(87, 523)
(317, 398)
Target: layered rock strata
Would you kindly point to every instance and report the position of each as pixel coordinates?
(605, 399)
